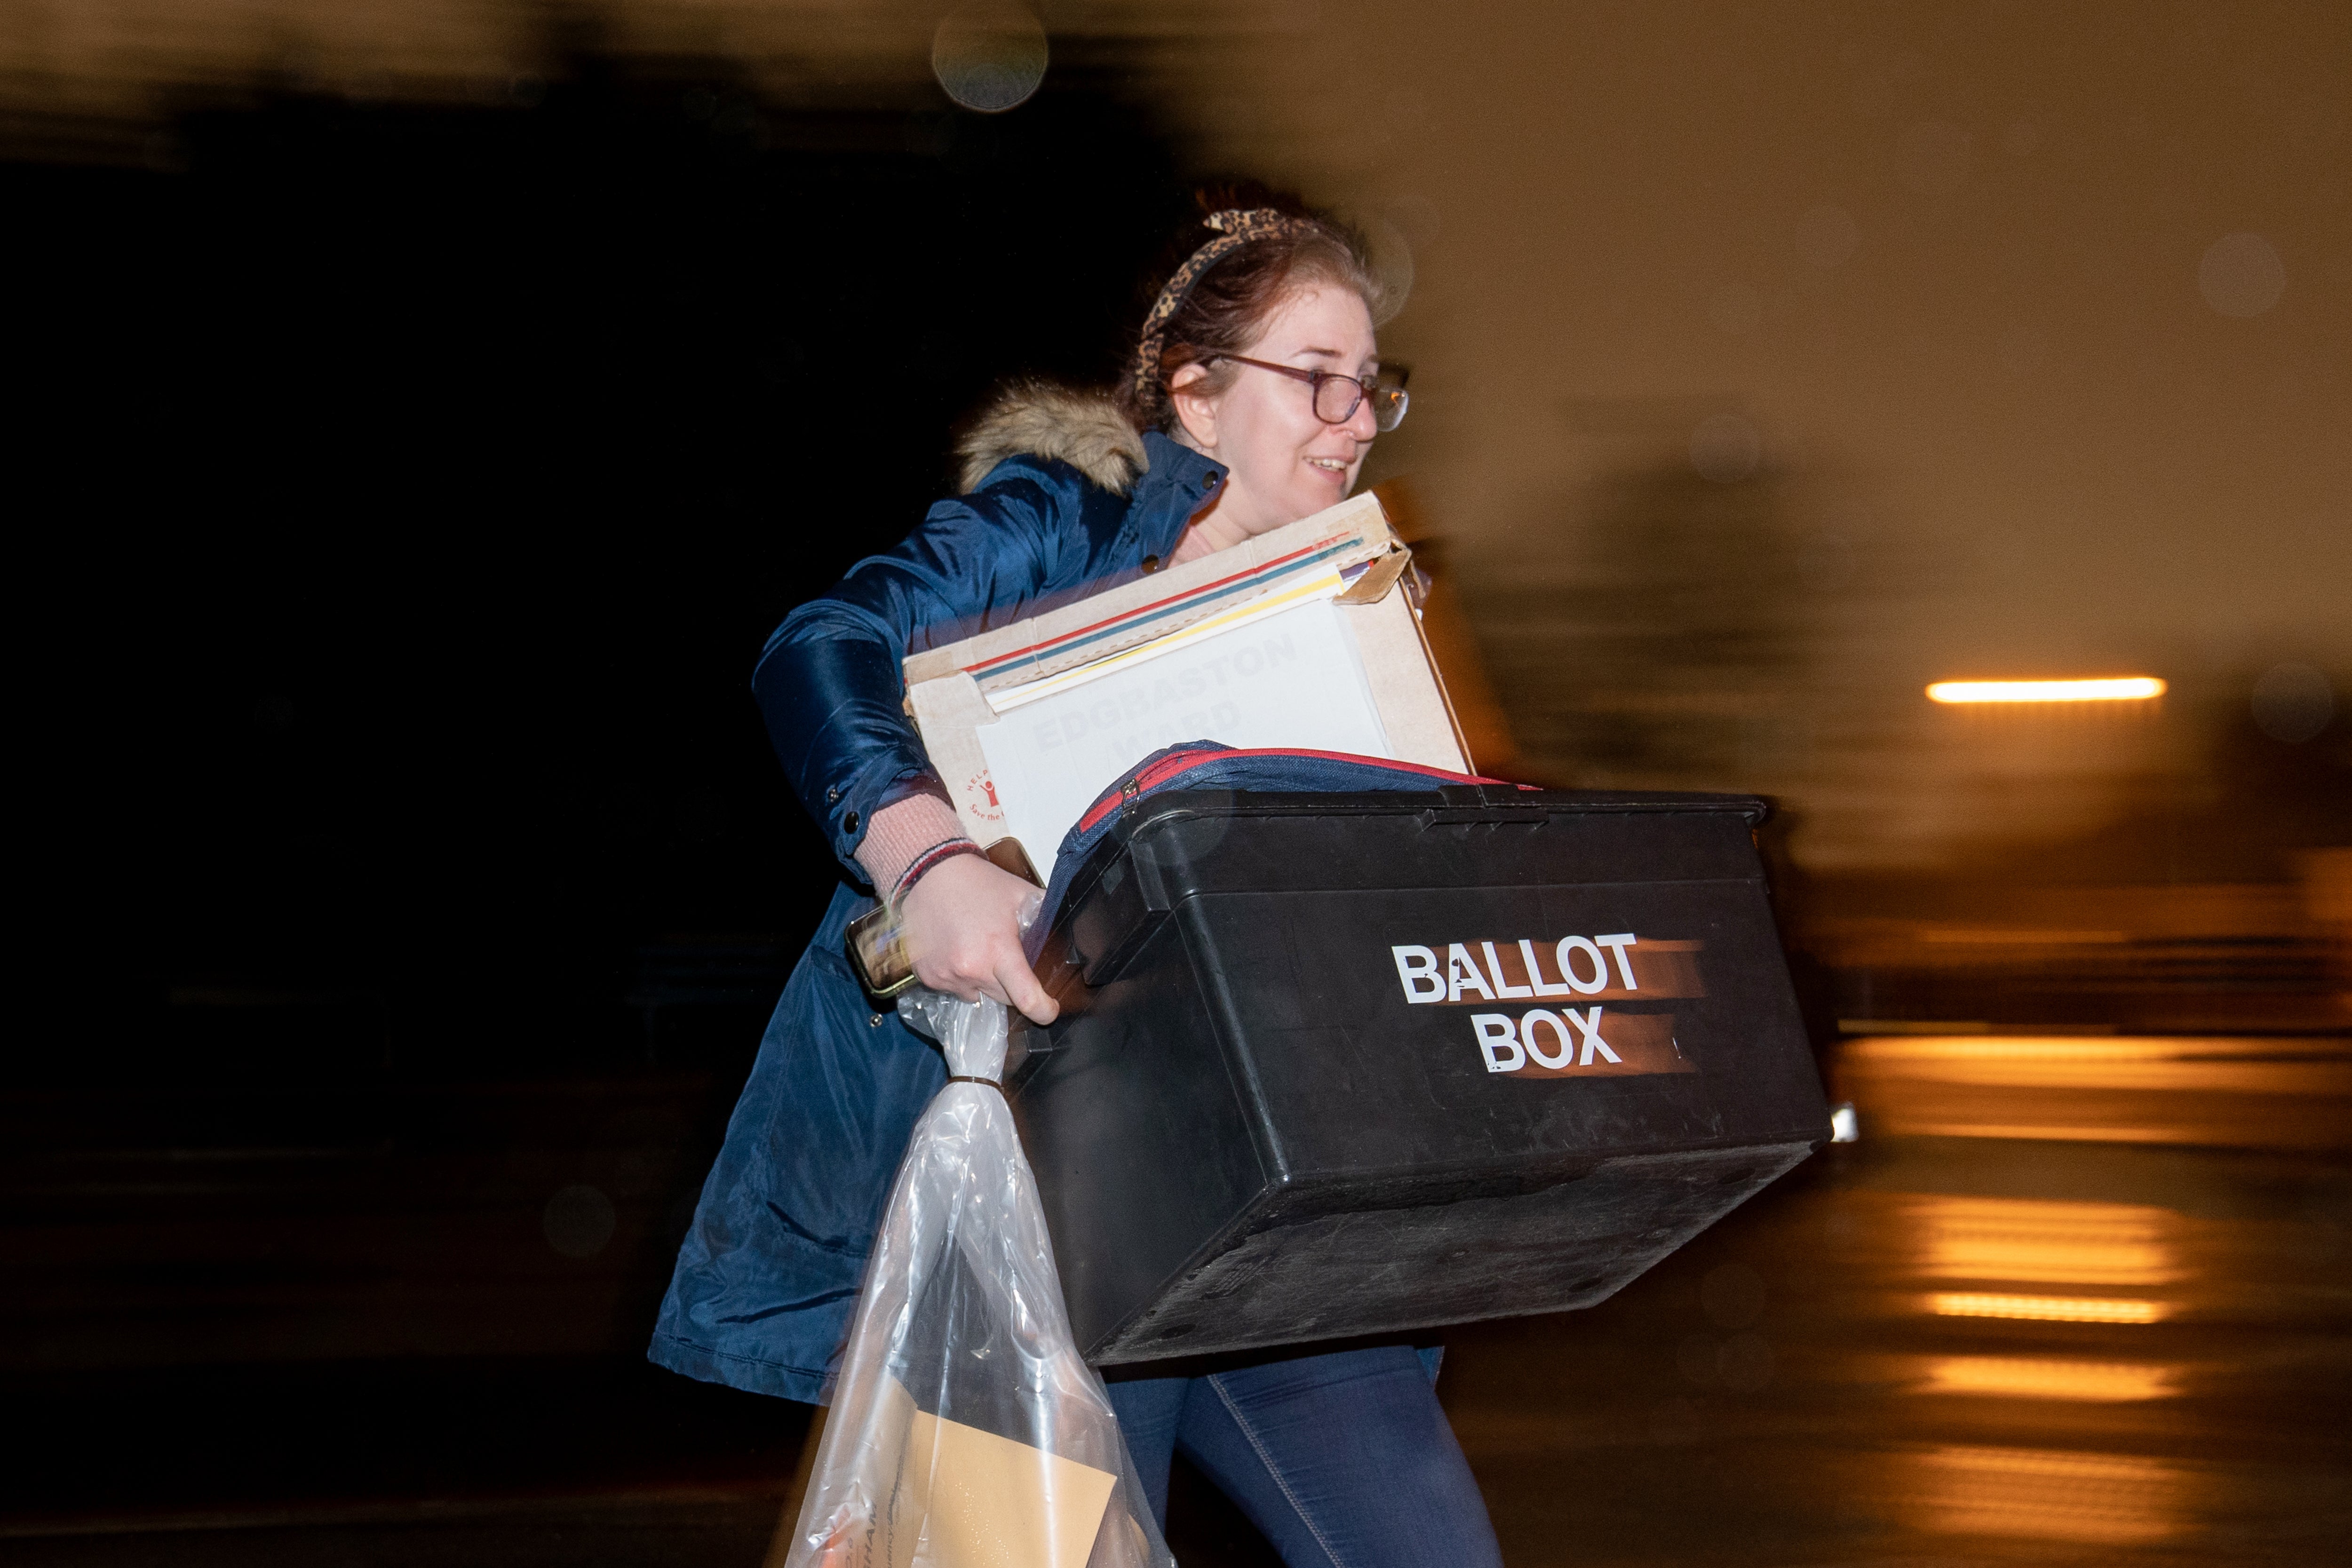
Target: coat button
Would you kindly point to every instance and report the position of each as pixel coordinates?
(849, 822)
(1209, 484)
(1152, 563)
(874, 1020)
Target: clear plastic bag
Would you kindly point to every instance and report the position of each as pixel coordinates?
(965, 1431)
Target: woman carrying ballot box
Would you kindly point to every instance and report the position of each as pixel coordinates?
(1255, 394)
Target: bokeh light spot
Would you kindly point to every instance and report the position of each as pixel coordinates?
(1391, 252)
(1933, 157)
(1879, 87)
(1737, 307)
(1417, 218)
(1733, 1295)
(1827, 235)
(2241, 275)
(1745, 1362)
(989, 57)
(1827, 563)
(1676, 1423)
(2020, 350)
(1725, 447)
(2293, 703)
(578, 1222)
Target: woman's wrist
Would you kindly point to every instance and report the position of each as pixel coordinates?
(901, 833)
(924, 864)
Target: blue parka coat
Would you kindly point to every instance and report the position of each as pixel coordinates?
(1063, 500)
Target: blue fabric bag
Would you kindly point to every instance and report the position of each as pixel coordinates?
(768, 1273)
(1207, 764)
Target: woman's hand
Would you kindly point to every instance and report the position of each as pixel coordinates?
(963, 931)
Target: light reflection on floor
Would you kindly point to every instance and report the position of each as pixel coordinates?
(2046, 1308)
(2120, 1341)
(2280, 1091)
(2036, 1240)
(2044, 1494)
(1919, 1349)
(2028, 1378)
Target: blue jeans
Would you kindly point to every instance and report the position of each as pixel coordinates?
(1341, 1460)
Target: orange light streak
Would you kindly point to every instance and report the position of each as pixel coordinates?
(2127, 689)
(2047, 1308)
(2051, 1494)
(2020, 1378)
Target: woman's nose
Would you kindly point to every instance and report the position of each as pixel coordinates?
(1361, 424)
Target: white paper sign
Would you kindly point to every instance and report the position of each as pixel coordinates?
(1291, 679)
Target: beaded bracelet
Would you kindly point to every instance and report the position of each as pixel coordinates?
(929, 860)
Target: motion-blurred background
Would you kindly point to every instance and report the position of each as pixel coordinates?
(423, 412)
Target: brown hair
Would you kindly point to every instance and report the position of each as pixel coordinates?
(1230, 301)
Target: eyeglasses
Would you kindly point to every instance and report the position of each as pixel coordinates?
(1337, 396)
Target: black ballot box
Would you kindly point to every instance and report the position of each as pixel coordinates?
(1339, 1065)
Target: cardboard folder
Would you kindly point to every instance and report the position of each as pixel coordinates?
(963, 1497)
(1302, 636)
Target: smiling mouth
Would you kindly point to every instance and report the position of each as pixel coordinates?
(1330, 465)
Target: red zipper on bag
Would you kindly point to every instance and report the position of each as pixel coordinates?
(1166, 768)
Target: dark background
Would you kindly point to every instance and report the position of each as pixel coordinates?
(451, 466)
(411, 878)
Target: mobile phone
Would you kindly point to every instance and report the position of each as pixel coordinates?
(876, 941)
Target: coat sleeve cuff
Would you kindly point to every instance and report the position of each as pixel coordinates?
(900, 832)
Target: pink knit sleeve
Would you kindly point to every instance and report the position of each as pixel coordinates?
(898, 833)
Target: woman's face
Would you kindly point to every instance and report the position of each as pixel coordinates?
(1285, 463)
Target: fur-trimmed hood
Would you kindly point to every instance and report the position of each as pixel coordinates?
(1038, 419)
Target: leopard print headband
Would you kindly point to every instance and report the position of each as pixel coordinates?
(1234, 229)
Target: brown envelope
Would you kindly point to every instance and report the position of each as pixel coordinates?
(968, 1499)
